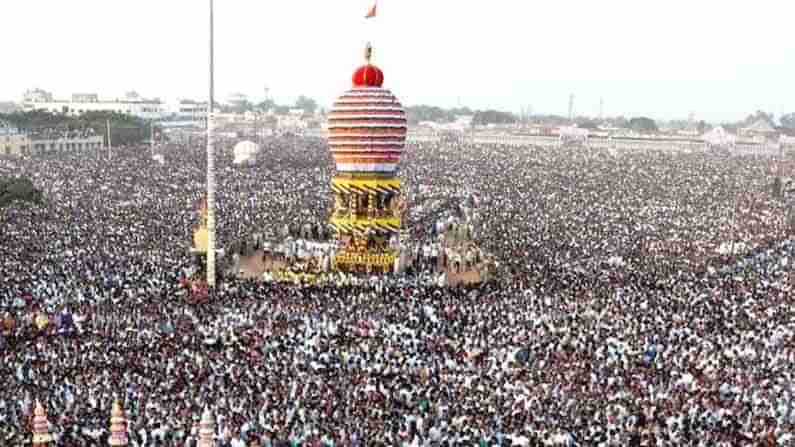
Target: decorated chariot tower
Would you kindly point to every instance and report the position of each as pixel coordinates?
(366, 137)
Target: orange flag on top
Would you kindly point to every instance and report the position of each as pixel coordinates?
(372, 11)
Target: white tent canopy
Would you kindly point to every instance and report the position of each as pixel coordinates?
(573, 135)
(245, 152)
(718, 137)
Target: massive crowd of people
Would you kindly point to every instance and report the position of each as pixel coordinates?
(639, 298)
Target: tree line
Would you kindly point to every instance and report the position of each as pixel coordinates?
(241, 104)
(420, 113)
(13, 189)
(125, 129)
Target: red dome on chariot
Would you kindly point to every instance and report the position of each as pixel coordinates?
(367, 124)
(368, 76)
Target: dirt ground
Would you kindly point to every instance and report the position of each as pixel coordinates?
(470, 277)
(255, 265)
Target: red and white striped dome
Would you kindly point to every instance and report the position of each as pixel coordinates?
(367, 126)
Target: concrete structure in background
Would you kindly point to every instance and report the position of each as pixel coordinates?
(13, 143)
(189, 110)
(184, 113)
(76, 143)
(179, 114)
(37, 95)
(85, 97)
(133, 104)
(759, 132)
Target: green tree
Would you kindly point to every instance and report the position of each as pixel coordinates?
(730, 127)
(678, 124)
(18, 189)
(485, 117)
(281, 109)
(642, 124)
(550, 120)
(419, 113)
(618, 121)
(266, 105)
(586, 123)
(125, 129)
(462, 111)
(759, 115)
(238, 103)
(242, 106)
(788, 120)
(308, 105)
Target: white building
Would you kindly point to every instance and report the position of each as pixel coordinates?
(37, 95)
(15, 143)
(81, 103)
(185, 113)
(190, 110)
(75, 143)
(12, 141)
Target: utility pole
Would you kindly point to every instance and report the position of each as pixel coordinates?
(257, 127)
(109, 142)
(211, 164)
(601, 109)
(571, 107)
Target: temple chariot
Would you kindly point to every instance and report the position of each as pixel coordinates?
(366, 136)
(365, 234)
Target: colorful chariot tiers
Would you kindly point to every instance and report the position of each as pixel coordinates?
(366, 135)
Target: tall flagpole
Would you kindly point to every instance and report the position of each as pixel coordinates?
(211, 168)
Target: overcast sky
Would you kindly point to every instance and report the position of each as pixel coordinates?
(721, 59)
